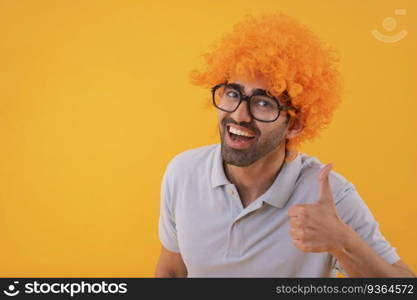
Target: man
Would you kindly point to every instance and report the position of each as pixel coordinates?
(253, 206)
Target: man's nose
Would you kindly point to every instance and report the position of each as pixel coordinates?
(241, 114)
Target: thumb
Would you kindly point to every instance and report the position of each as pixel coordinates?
(325, 192)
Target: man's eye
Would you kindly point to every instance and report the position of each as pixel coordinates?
(264, 103)
(232, 94)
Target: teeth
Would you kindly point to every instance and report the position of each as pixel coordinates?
(239, 132)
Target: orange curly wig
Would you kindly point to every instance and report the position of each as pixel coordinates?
(289, 56)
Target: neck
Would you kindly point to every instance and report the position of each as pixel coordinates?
(254, 180)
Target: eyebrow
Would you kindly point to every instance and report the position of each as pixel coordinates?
(241, 88)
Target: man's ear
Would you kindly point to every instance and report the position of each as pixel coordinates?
(294, 127)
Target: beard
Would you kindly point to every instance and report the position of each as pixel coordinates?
(259, 148)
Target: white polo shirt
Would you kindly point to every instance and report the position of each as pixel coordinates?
(203, 218)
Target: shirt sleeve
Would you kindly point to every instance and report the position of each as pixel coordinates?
(167, 229)
(354, 212)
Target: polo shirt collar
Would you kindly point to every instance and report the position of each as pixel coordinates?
(218, 177)
(284, 184)
(281, 189)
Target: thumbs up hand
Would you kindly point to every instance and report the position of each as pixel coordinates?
(317, 227)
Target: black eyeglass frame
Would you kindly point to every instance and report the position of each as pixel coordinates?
(248, 98)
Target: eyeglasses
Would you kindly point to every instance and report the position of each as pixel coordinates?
(262, 106)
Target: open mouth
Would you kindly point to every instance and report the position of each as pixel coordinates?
(239, 138)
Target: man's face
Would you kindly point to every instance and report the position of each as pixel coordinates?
(265, 137)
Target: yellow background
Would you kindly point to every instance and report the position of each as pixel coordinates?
(95, 100)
